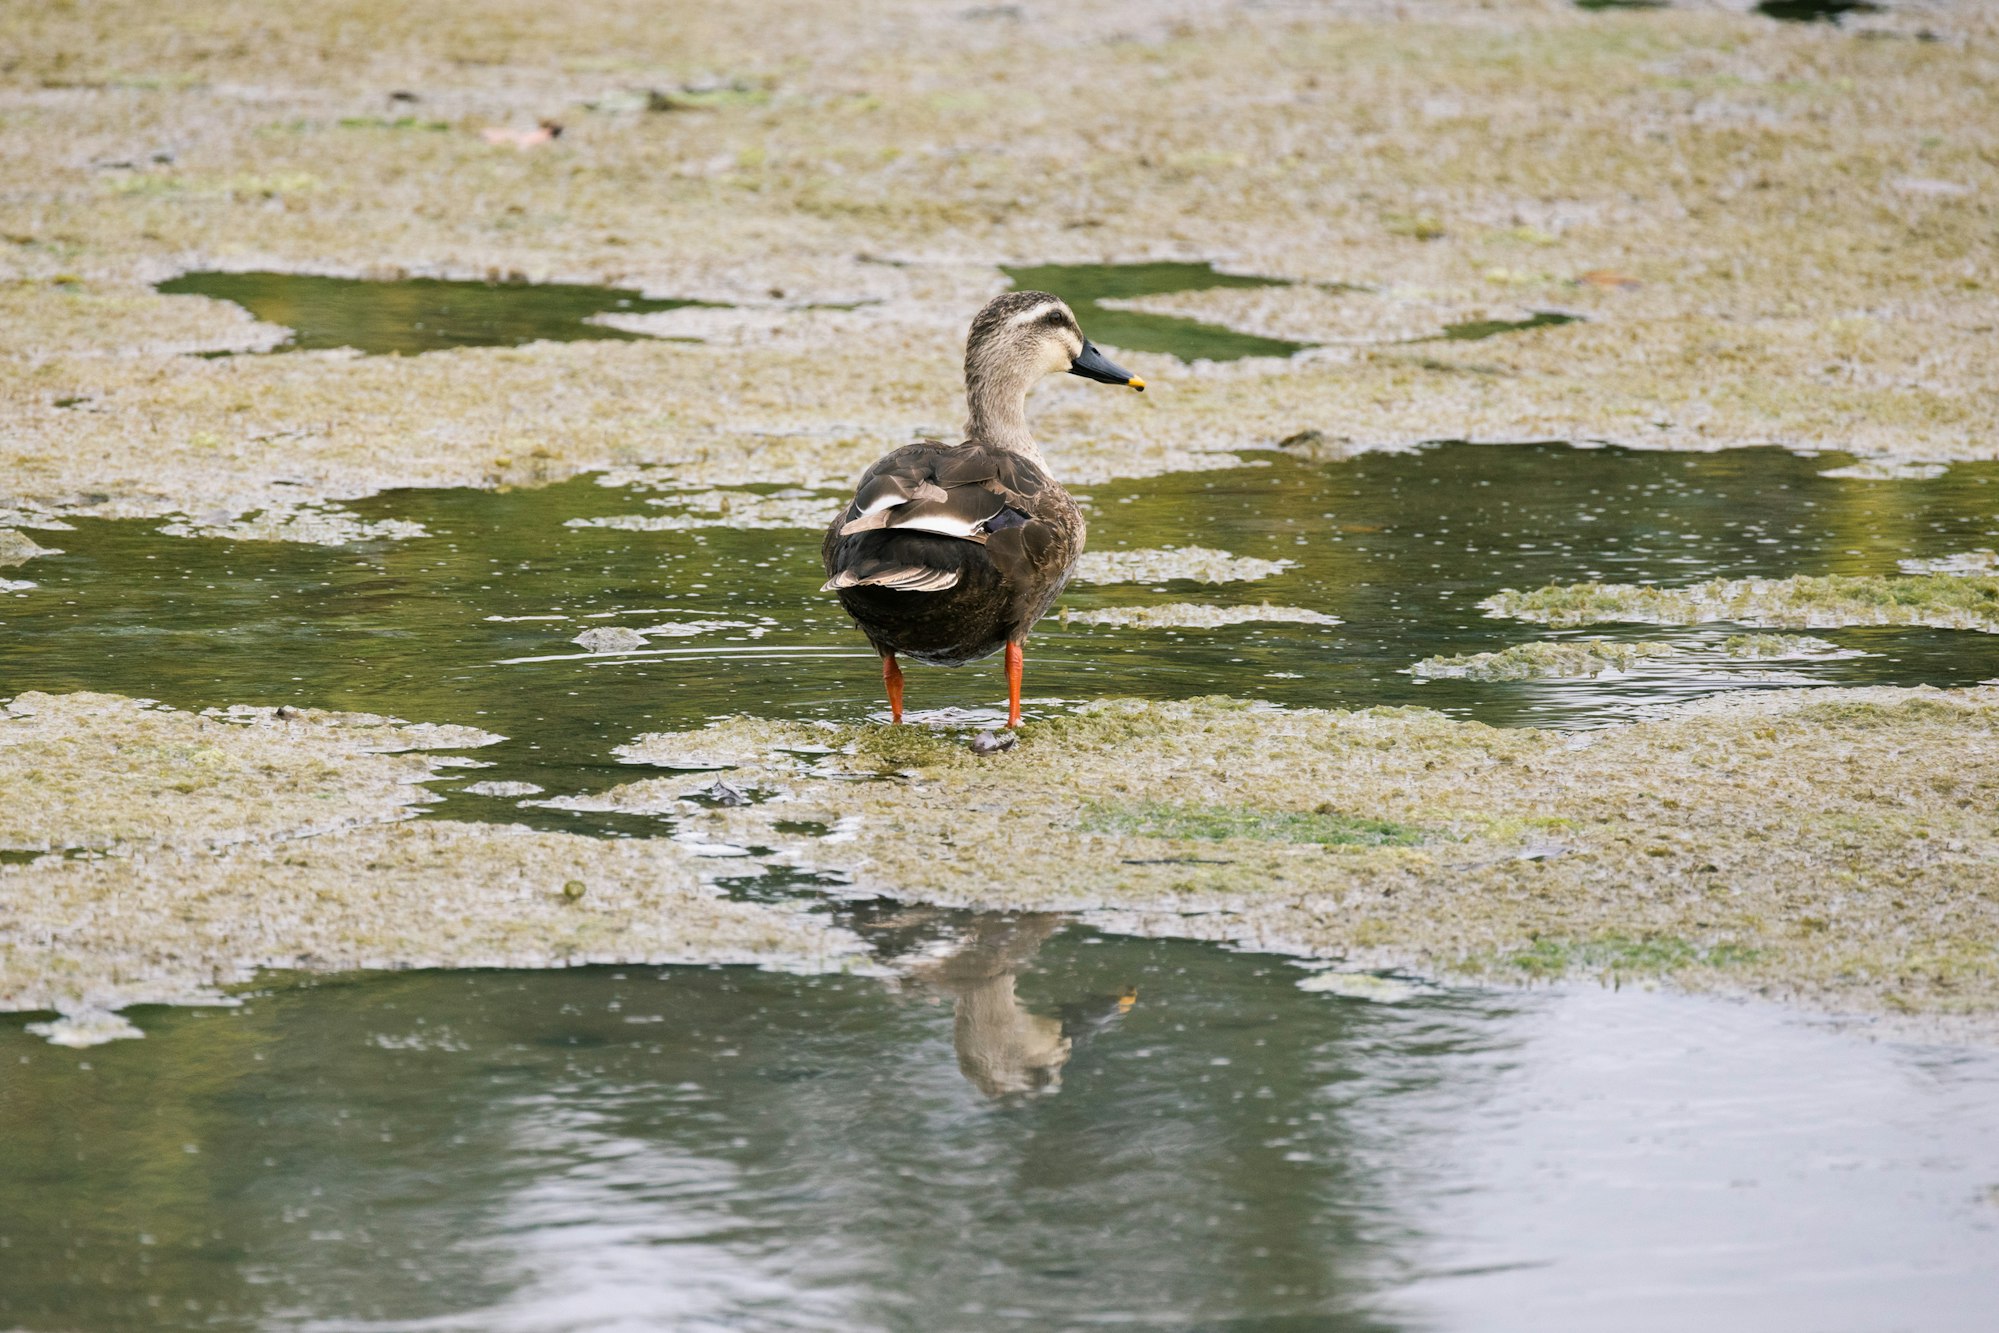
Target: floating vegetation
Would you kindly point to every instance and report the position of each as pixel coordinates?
(790, 508)
(1804, 601)
(1586, 659)
(1964, 562)
(88, 1026)
(1195, 615)
(1324, 826)
(1453, 845)
(17, 548)
(313, 525)
(1776, 647)
(1619, 956)
(1575, 659)
(409, 316)
(1191, 564)
(618, 639)
(609, 639)
(501, 789)
(1887, 469)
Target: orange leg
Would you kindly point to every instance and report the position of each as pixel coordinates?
(1014, 659)
(892, 678)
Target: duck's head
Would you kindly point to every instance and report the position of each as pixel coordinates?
(1021, 336)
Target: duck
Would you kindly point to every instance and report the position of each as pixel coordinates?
(949, 553)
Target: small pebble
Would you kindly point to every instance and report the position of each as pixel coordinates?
(573, 890)
(993, 742)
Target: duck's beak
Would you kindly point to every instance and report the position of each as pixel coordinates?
(1094, 365)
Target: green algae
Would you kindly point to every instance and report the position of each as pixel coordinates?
(1619, 956)
(249, 838)
(1942, 601)
(316, 525)
(1195, 615)
(1325, 827)
(1757, 647)
(1192, 564)
(1729, 825)
(17, 548)
(1586, 659)
(1577, 659)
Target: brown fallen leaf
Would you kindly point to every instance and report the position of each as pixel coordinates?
(1609, 279)
(500, 135)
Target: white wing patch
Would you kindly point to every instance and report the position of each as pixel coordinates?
(944, 525)
(903, 578)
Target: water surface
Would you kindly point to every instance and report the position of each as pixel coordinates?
(473, 623)
(1212, 1148)
(1084, 285)
(409, 316)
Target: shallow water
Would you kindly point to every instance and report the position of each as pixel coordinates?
(1212, 1147)
(1020, 1123)
(473, 622)
(409, 316)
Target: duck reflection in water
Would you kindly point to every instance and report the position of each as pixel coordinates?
(1005, 1048)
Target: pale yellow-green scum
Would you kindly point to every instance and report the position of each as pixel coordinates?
(182, 852)
(1800, 844)
(1776, 232)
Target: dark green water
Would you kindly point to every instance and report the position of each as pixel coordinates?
(473, 623)
(410, 316)
(724, 1149)
(1816, 11)
(1478, 330)
(1084, 285)
(413, 315)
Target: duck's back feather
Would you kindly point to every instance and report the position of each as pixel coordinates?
(948, 551)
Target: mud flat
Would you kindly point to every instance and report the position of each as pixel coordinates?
(1797, 844)
(843, 194)
(153, 856)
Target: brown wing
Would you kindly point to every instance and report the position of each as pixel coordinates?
(985, 496)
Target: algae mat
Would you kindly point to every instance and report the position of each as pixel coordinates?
(154, 856)
(1406, 170)
(1801, 844)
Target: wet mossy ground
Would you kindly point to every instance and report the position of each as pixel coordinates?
(156, 856)
(1803, 845)
(1794, 844)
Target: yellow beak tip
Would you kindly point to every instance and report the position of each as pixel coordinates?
(1136, 383)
